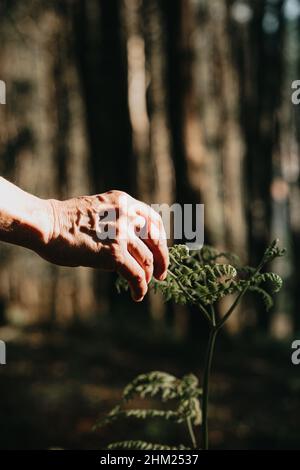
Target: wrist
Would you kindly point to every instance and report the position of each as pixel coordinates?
(34, 228)
(25, 220)
(42, 221)
(54, 210)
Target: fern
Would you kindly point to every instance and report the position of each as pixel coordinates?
(266, 297)
(142, 445)
(190, 281)
(168, 387)
(196, 278)
(162, 383)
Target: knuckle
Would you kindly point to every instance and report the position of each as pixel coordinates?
(139, 279)
(117, 254)
(117, 197)
(148, 262)
(119, 259)
(116, 192)
(121, 194)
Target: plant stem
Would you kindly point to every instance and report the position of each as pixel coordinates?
(213, 315)
(209, 355)
(216, 326)
(191, 432)
(210, 350)
(206, 375)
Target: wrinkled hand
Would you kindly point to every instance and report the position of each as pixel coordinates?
(110, 231)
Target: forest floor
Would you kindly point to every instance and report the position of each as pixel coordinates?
(56, 383)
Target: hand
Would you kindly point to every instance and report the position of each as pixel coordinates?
(110, 231)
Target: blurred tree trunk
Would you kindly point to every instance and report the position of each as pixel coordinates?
(179, 61)
(102, 59)
(207, 140)
(257, 51)
(103, 67)
(43, 150)
(286, 188)
(148, 109)
(208, 144)
(159, 132)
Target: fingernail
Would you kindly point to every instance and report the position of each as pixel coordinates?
(135, 297)
(162, 277)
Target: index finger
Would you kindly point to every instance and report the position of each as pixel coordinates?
(156, 240)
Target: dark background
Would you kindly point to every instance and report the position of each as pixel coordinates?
(172, 101)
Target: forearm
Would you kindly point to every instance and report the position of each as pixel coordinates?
(24, 218)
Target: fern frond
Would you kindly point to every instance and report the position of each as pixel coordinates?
(273, 251)
(152, 384)
(190, 409)
(273, 280)
(266, 297)
(143, 445)
(169, 387)
(136, 413)
(196, 278)
(168, 415)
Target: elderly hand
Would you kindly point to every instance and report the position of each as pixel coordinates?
(110, 231)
